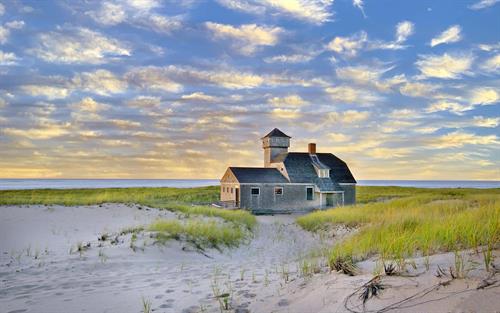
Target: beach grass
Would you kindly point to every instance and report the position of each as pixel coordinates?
(202, 233)
(189, 201)
(398, 223)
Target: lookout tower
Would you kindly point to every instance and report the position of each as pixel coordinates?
(274, 143)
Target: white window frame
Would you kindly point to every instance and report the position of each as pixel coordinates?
(310, 187)
(282, 190)
(251, 191)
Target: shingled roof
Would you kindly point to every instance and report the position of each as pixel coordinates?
(258, 175)
(276, 133)
(300, 168)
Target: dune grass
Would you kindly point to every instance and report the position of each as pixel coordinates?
(185, 200)
(204, 234)
(415, 222)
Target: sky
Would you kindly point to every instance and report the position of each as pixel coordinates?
(184, 89)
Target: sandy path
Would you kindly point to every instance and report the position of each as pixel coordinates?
(38, 274)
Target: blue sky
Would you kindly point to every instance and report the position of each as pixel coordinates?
(183, 89)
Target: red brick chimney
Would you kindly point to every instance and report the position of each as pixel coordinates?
(311, 148)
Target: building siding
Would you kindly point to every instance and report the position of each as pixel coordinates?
(349, 194)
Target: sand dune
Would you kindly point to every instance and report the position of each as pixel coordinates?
(39, 274)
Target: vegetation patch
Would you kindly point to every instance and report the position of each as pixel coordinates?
(203, 234)
(415, 222)
(189, 201)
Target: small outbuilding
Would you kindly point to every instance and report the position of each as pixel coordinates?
(289, 181)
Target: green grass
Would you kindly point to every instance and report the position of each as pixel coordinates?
(398, 223)
(204, 234)
(185, 200)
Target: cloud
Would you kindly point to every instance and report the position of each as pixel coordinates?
(88, 104)
(369, 76)
(484, 96)
(286, 113)
(404, 30)
(348, 46)
(2, 9)
(199, 96)
(144, 102)
(125, 124)
(136, 13)
(491, 122)
(8, 58)
(359, 4)
(450, 35)
(453, 107)
(338, 137)
(45, 131)
(4, 34)
(458, 139)
(109, 14)
(78, 46)
(247, 38)
(492, 64)
(15, 24)
(312, 11)
(348, 117)
(5, 30)
(347, 94)
(482, 4)
(101, 82)
(389, 153)
(291, 101)
(152, 77)
(49, 92)
(418, 89)
(290, 58)
(444, 66)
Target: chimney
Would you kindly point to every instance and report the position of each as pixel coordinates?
(311, 148)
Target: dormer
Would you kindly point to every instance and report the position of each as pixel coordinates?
(322, 170)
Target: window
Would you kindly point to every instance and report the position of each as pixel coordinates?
(310, 193)
(278, 191)
(255, 191)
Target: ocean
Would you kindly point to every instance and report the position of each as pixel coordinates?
(11, 184)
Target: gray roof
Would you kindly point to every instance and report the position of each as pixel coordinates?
(258, 175)
(301, 170)
(276, 133)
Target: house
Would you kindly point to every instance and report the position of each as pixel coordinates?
(289, 181)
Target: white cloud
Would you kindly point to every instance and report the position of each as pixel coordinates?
(291, 101)
(348, 117)
(152, 78)
(144, 102)
(338, 137)
(79, 45)
(15, 24)
(247, 38)
(88, 104)
(348, 46)
(199, 96)
(492, 64)
(418, 89)
(484, 96)
(286, 113)
(453, 107)
(313, 11)
(159, 23)
(450, 35)
(491, 122)
(49, 92)
(125, 124)
(2, 9)
(482, 4)
(370, 76)
(444, 66)
(45, 131)
(404, 30)
(459, 139)
(347, 94)
(101, 82)
(290, 58)
(4, 34)
(359, 4)
(109, 14)
(7, 58)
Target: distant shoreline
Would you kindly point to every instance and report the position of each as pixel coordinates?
(22, 184)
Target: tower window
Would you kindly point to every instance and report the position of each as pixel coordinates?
(278, 191)
(255, 191)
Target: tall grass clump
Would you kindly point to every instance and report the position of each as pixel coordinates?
(419, 223)
(204, 234)
(185, 200)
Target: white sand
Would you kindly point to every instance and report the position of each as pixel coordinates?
(38, 274)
